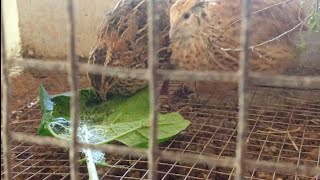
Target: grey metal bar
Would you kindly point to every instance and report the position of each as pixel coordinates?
(5, 106)
(243, 90)
(173, 156)
(74, 83)
(61, 66)
(153, 43)
(284, 81)
(299, 82)
(183, 75)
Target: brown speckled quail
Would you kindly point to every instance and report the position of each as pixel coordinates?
(123, 42)
(198, 40)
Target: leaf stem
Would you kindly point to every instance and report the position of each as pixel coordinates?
(92, 171)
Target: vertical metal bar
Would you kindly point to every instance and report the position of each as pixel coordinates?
(243, 89)
(73, 81)
(5, 106)
(153, 43)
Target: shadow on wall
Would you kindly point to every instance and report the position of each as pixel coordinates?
(43, 26)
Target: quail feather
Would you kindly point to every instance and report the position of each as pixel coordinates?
(205, 35)
(123, 42)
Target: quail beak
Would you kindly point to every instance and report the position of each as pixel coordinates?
(104, 89)
(102, 96)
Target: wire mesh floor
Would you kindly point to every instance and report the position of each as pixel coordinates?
(281, 129)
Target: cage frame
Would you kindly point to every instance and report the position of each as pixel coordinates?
(73, 67)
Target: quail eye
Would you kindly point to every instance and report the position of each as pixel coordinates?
(186, 15)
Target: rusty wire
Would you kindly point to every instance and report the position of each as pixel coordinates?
(5, 106)
(75, 97)
(116, 150)
(47, 141)
(173, 156)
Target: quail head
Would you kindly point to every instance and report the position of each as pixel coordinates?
(123, 42)
(203, 39)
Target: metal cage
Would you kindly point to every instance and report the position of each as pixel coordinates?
(231, 155)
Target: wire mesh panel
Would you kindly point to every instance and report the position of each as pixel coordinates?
(260, 134)
(212, 133)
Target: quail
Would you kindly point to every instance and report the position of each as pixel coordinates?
(123, 42)
(205, 35)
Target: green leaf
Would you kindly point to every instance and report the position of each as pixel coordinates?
(122, 119)
(136, 133)
(43, 129)
(62, 102)
(45, 102)
(61, 106)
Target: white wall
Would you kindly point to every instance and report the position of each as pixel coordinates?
(11, 29)
(43, 25)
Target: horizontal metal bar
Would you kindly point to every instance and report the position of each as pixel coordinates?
(61, 66)
(298, 82)
(184, 75)
(172, 156)
(122, 150)
(249, 164)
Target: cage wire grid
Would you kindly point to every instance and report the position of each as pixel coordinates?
(191, 154)
(212, 133)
